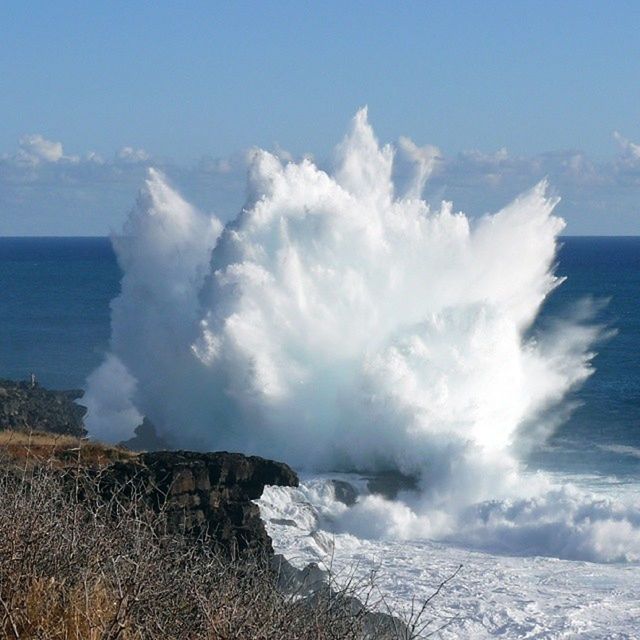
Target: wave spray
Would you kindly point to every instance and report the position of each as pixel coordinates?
(339, 322)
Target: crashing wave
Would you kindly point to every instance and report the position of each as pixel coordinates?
(340, 322)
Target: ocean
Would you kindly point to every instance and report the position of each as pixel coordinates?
(54, 308)
(55, 296)
(55, 322)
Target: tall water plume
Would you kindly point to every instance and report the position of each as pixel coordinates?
(340, 322)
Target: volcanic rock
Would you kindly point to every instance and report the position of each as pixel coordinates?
(26, 406)
(203, 493)
(146, 438)
(344, 492)
(390, 483)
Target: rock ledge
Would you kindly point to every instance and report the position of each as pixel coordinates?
(204, 492)
(26, 406)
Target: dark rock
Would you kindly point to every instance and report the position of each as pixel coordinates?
(286, 522)
(146, 438)
(384, 626)
(314, 587)
(201, 493)
(376, 625)
(345, 492)
(299, 582)
(26, 406)
(390, 483)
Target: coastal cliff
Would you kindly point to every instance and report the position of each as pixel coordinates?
(203, 493)
(179, 528)
(26, 406)
(200, 493)
(101, 542)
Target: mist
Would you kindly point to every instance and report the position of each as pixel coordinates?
(339, 322)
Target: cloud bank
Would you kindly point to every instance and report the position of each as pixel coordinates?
(44, 190)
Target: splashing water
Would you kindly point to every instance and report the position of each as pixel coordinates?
(339, 322)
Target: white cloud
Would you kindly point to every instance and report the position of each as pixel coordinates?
(217, 165)
(45, 191)
(92, 156)
(35, 148)
(129, 154)
(92, 193)
(630, 150)
(501, 156)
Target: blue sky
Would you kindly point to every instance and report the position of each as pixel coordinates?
(178, 82)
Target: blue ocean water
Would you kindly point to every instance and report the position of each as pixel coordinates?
(54, 321)
(603, 433)
(54, 307)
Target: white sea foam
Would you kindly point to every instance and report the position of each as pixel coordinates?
(339, 322)
(499, 590)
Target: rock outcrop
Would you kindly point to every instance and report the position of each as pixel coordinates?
(204, 492)
(313, 586)
(390, 483)
(26, 406)
(146, 438)
(199, 492)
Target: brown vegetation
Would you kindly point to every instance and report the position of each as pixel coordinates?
(76, 567)
(77, 563)
(38, 447)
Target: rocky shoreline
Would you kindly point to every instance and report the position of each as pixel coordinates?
(201, 496)
(201, 493)
(26, 406)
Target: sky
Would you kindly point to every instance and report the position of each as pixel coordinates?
(91, 94)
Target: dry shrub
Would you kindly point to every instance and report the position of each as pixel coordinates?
(79, 564)
(38, 447)
(76, 566)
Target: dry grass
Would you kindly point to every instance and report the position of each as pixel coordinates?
(77, 567)
(38, 447)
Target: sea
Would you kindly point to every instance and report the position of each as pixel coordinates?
(55, 296)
